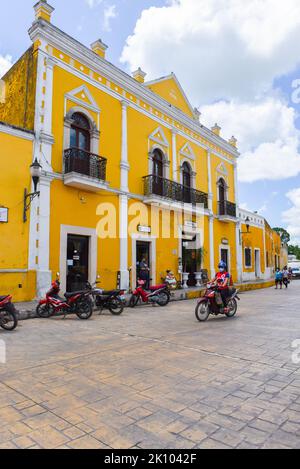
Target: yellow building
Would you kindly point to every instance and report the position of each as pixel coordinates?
(260, 247)
(99, 214)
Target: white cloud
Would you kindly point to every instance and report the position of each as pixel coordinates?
(5, 64)
(267, 136)
(109, 14)
(218, 48)
(292, 215)
(93, 3)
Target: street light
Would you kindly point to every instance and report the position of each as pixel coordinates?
(35, 172)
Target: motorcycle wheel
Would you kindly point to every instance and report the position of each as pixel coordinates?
(8, 320)
(44, 311)
(163, 299)
(133, 301)
(116, 307)
(84, 309)
(232, 305)
(202, 311)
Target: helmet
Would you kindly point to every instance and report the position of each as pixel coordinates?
(222, 265)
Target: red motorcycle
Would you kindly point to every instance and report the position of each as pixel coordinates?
(8, 313)
(78, 303)
(158, 294)
(212, 303)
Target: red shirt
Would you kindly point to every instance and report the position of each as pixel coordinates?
(221, 277)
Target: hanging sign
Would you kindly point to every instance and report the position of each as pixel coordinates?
(144, 229)
(3, 215)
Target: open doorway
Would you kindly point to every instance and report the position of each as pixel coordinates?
(77, 262)
(143, 259)
(257, 263)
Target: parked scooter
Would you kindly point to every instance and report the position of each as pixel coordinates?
(8, 313)
(158, 294)
(78, 303)
(113, 300)
(212, 303)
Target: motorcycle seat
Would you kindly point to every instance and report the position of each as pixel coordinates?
(3, 297)
(110, 292)
(157, 287)
(69, 295)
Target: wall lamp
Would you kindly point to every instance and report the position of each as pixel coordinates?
(247, 222)
(35, 172)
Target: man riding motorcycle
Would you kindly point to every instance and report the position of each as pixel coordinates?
(222, 280)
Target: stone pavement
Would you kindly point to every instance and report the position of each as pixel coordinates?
(156, 378)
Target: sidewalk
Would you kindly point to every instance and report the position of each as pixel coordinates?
(27, 309)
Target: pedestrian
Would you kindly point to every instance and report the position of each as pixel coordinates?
(278, 278)
(144, 272)
(285, 275)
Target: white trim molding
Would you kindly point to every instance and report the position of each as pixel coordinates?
(187, 152)
(65, 230)
(152, 241)
(16, 132)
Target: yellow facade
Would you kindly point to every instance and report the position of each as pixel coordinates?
(130, 124)
(16, 155)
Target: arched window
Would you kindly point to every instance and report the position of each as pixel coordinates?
(187, 175)
(222, 190)
(80, 136)
(158, 164)
(158, 172)
(187, 182)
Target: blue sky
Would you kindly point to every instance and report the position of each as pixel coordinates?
(236, 62)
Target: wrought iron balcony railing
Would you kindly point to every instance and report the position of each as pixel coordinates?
(85, 163)
(227, 208)
(156, 185)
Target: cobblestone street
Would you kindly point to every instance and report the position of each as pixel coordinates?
(156, 378)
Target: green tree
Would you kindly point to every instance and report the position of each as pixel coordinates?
(294, 251)
(284, 235)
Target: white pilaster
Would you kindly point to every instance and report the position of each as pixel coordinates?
(174, 155)
(124, 149)
(211, 247)
(236, 187)
(39, 238)
(123, 234)
(43, 273)
(239, 257)
(123, 202)
(209, 180)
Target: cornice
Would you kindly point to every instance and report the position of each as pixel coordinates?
(16, 132)
(83, 54)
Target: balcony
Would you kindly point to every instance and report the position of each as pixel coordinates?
(227, 211)
(163, 192)
(84, 170)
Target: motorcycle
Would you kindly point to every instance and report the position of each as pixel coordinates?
(212, 304)
(113, 300)
(8, 313)
(158, 294)
(77, 303)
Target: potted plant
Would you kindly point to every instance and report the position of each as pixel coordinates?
(198, 274)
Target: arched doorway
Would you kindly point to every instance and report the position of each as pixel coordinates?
(158, 172)
(186, 182)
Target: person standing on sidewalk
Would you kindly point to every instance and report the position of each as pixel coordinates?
(286, 280)
(278, 279)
